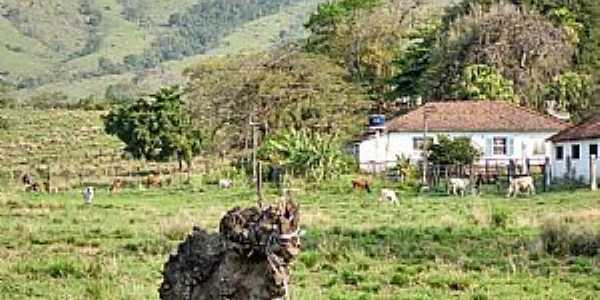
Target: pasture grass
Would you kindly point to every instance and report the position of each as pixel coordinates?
(428, 247)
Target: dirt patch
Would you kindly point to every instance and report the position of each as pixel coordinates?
(248, 258)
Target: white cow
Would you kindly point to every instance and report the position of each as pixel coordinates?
(388, 195)
(458, 186)
(518, 185)
(88, 195)
(225, 183)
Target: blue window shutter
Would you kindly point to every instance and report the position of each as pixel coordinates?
(511, 147)
(488, 147)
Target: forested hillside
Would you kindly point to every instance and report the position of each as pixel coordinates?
(368, 54)
(50, 46)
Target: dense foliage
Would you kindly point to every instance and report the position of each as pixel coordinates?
(156, 128)
(305, 153)
(283, 89)
(449, 151)
(526, 51)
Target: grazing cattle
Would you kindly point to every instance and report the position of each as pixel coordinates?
(458, 186)
(388, 195)
(519, 185)
(88, 195)
(49, 188)
(225, 183)
(34, 187)
(153, 181)
(27, 179)
(361, 184)
(116, 186)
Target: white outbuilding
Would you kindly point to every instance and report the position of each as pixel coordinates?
(573, 150)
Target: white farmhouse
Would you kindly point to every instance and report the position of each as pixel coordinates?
(500, 130)
(572, 149)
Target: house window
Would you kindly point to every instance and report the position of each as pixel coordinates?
(560, 153)
(594, 150)
(539, 148)
(500, 146)
(575, 152)
(418, 143)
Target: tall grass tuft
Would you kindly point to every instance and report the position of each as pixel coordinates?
(559, 237)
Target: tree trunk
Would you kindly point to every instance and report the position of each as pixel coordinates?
(247, 260)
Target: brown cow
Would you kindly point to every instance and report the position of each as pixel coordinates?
(153, 181)
(34, 187)
(361, 184)
(116, 186)
(27, 179)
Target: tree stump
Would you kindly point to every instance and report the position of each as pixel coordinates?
(248, 259)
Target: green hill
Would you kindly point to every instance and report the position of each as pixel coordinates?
(80, 47)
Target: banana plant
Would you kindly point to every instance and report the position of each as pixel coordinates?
(305, 153)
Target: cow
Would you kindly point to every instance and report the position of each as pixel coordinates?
(49, 188)
(34, 187)
(88, 195)
(27, 179)
(458, 186)
(225, 183)
(116, 186)
(387, 195)
(361, 184)
(518, 185)
(153, 181)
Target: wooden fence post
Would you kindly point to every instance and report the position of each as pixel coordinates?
(547, 174)
(259, 181)
(593, 170)
(569, 166)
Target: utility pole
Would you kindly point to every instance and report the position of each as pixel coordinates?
(256, 166)
(426, 111)
(254, 145)
(424, 151)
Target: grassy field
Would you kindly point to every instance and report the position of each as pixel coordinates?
(428, 247)
(71, 143)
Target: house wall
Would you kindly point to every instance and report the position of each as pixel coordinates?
(580, 168)
(382, 149)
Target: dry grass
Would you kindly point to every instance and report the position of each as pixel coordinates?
(176, 228)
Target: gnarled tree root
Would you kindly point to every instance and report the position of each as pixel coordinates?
(248, 259)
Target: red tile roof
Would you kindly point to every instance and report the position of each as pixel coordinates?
(478, 116)
(589, 129)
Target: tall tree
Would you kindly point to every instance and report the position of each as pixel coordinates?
(156, 128)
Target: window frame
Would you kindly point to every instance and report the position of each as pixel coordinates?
(590, 150)
(573, 151)
(423, 140)
(539, 148)
(494, 146)
(560, 157)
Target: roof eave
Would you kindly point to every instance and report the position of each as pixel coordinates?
(475, 130)
(573, 139)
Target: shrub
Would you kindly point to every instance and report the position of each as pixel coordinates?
(306, 153)
(499, 217)
(561, 238)
(4, 123)
(453, 151)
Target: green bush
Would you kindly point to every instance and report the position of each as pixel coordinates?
(500, 217)
(449, 151)
(4, 123)
(560, 238)
(306, 153)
